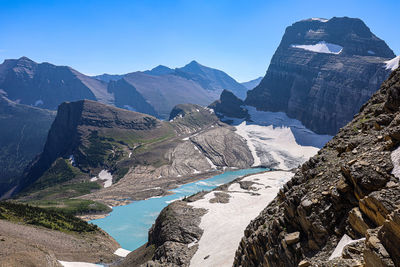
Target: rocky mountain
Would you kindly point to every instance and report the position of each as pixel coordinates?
(46, 86)
(159, 70)
(229, 105)
(211, 79)
(253, 83)
(23, 133)
(163, 87)
(99, 153)
(322, 72)
(341, 207)
(163, 92)
(108, 77)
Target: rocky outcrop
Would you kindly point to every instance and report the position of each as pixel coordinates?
(323, 72)
(348, 188)
(229, 105)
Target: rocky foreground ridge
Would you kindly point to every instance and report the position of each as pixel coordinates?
(322, 73)
(350, 188)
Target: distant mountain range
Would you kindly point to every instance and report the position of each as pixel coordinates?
(163, 87)
(31, 92)
(154, 92)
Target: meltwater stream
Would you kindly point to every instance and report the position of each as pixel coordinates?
(129, 224)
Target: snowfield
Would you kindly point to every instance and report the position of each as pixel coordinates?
(395, 157)
(105, 176)
(78, 264)
(321, 47)
(122, 252)
(344, 241)
(393, 63)
(274, 146)
(277, 141)
(227, 221)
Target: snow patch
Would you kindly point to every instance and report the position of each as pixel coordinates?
(320, 19)
(79, 264)
(39, 102)
(321, 47)
(173, 200)
(274, 146)
(71, 160)
(122, 252)
(104, 176)
(212, 165)
(395, 156)
(130, 154)
(233, 217)
(371, 52)
(393, 63)
(344, 241)
(128, 107)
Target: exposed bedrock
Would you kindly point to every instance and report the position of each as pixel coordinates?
(351, 187)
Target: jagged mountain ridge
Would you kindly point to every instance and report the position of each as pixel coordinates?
(163, 87)
(316, 84)
(351, 187)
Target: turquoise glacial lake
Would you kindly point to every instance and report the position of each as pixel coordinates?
(129, 224)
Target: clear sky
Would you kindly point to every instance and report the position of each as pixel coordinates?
(113, 36)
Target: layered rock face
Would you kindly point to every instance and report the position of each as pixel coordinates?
(351, 188)
(323, 72)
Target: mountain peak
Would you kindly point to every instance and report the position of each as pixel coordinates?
(159, 70)
(24, 58)
(351, 35)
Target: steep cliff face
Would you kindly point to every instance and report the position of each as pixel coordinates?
(322, 72)
(86, 130)
(350, 190)
(23, 134)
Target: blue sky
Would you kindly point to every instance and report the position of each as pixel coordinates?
(237, 36)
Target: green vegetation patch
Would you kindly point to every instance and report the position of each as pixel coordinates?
(72, 206)
(66, 190)
(59, 172)
(97, 151)
(50, 219)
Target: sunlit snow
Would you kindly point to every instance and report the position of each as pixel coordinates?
(321, 47)
(393, 63)
(104, 176)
